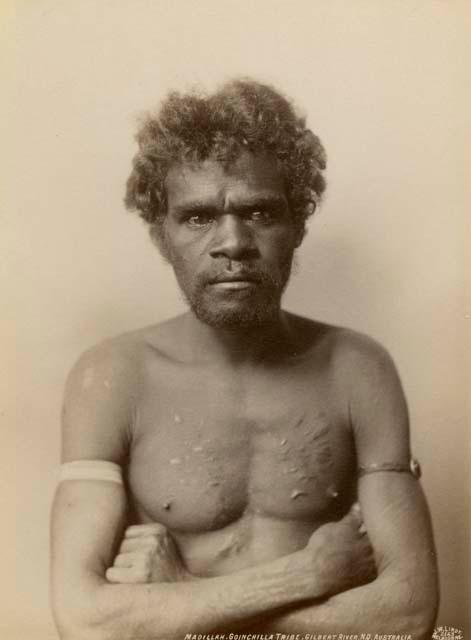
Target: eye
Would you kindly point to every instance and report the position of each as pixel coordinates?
(263, 216)
(199, 220)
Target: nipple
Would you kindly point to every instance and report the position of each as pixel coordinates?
(167, 505)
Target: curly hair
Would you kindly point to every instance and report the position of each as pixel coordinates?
(242, 115)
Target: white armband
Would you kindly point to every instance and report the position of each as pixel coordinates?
(91, 470)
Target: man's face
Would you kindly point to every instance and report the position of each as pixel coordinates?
(229, 235)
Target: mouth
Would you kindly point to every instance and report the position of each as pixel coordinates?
(234, 282)
(234, 285)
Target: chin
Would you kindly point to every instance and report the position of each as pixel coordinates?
(237, 317)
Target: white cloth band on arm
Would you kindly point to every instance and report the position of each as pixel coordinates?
(91, 470)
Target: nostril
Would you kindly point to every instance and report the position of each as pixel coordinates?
(232, 239)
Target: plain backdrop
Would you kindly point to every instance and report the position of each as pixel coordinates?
(386, 86)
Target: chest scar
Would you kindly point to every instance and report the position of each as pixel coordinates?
(306, 457)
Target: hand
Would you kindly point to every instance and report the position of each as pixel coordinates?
(147, 554)
(342, 553)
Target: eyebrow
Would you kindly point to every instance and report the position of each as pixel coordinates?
(195, 207)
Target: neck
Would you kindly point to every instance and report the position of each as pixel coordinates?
(268, 341)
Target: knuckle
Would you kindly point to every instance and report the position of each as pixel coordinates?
(118, 560)
(157, 529)
(144, 562)
(152, 543)
(147, 557)
(134, 530)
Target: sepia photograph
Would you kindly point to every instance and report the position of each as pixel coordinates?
(236, 323)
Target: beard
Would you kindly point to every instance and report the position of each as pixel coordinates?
(237, 310)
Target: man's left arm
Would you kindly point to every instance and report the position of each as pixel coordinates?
(403, 599)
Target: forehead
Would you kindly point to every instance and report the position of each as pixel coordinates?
(213, 181)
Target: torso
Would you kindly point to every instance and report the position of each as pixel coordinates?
(241, 465)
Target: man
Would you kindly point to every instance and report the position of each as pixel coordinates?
(244, 434)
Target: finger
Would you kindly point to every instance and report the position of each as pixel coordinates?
(355, 510)
(126, 576)
(126, 560)
(140, 530)
(139, 544)
(354, 517)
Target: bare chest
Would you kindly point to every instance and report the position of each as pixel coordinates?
(206, 451)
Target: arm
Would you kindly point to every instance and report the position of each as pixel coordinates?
(88, 520)
(404, 596)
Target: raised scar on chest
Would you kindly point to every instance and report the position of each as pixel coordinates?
(306, 456)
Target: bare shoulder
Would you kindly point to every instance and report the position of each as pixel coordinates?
(356, 352)
(109, 363)
(346, 349)
(362, 372)
(119, 360)
(377, 405)
(102, 394)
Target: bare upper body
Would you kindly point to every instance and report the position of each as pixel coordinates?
(240, 462)
(240, 428)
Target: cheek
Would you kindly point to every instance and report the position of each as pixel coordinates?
(190, 247)
(278, 246)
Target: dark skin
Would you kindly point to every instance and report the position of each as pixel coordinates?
(243, 426)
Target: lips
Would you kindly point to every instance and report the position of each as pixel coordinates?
(234, 278)
(234, 285)
(234, 282)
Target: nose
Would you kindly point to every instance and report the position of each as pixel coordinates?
(233, 239)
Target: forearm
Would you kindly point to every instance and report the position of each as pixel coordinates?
(388, 605)
(169, 610)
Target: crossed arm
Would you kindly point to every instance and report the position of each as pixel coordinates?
(318, 589)
(400, 600)
(87, 605)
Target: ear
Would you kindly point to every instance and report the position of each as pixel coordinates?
(299, 234)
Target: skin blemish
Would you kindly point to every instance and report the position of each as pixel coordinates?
(296, 493)
(175, 461)
(214, 483)
(283, 442)
(198, 449)
(177, 419)
(88, 377)
(292, 469)
(332, 492)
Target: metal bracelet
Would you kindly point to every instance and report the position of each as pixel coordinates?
(413, 467)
